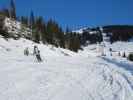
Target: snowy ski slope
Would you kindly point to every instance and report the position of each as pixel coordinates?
(63, 75)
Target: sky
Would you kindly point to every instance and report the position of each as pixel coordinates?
(78, 13)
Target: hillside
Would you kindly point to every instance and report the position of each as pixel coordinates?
(63, 75)
(114, 32)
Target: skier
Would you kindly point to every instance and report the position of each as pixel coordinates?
(38, 56)
(111, 54)
(36, 52)
(110, 49)
(119, 54)
(124, 55)
(26, 51)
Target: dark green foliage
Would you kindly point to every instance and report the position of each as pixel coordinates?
(38, 29)
(61, 38)
(24, 20)
(130, 57)
(37, 37)
(55, 35)
(44, 33)
(84, 37)
(1, 22)
(92, 38)
(53, 31)
(76, 44)
(50, 32)
(119, 32)
(72, 41)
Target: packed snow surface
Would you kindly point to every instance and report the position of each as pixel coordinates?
(63, 75)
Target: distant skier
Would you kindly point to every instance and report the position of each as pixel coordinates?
(110, 49)
(38, 56)
(119, 54)
(36, 52)
(111, 54)
(124, 55)
(26, 51)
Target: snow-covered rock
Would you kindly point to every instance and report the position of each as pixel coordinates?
(16, 29)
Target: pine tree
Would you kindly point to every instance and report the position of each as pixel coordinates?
(50, 31)
(24, 20)
(76, 43)
(38, 29)
(12, 9)
(32, 20)
(39, 23)
(33, 26)
(44, 33)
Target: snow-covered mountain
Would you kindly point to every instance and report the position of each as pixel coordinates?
(80, 31)
(64, 75)
(89, 30)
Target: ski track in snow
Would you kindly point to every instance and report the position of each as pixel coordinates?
(60, 77)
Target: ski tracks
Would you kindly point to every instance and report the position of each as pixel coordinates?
(117, 79)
